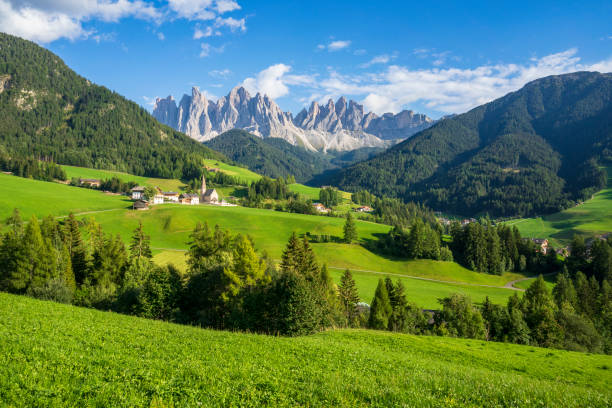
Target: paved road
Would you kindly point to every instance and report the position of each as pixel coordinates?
(508, 285)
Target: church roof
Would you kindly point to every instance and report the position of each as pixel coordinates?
(209, 191)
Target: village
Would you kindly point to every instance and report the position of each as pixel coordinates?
(208, 196)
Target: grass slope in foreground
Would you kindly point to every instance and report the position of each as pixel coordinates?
(59, 355)
(592, 217)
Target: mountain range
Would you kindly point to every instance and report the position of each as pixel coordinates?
(336, 126)
(537, 150)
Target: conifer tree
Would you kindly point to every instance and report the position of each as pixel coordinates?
(564, 292)
(292, 255)
(350, 230)
(42, 262)
(13, 257)
(349, 297)
(539, 310)
(140, 246)
(380, 309)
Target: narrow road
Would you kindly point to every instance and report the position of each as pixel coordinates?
(510, 285)
(506, 286)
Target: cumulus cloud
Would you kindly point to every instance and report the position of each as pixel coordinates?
(274, 81)
(45, 21)
(448, 90)
(379, 59)
(334, 45)
(220, 73)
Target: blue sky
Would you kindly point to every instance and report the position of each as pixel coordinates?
(434, 57)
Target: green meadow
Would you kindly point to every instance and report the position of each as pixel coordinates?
(239, 172)
(169, 226)
(83, 172)
(590, 218)
(41, 198)
(60, 355)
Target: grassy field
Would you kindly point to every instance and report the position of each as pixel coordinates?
(590, 218)
(170, 225)
(240, 172)
(41, 198)
(164, 184)
(60, 355)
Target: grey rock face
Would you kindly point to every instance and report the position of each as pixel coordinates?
(335, 126)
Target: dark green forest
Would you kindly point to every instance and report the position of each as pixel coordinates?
(275, 157)
(536, 150)
(50, 113)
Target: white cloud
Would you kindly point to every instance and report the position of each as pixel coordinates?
(379, 59)
(45, 21)
(360, 51)
(444, 90)
(161, 36)
(232, 23)
(274, 81)
(338, 45)
(204, 50)
(223, 6)
(222, 73)
(49, 20)
(208, 32)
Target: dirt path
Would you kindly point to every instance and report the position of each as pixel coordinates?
(506, 286)
(510, 285)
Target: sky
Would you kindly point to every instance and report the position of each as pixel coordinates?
(436, 57)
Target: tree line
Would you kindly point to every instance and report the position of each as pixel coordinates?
(29, 167)
(228, 285)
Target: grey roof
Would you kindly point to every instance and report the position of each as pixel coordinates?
(189, 195)
(138, 188)
(209, 191)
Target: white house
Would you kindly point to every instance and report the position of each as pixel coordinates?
(138, 193)
(189, 199)
(158, 199)
(171, 196)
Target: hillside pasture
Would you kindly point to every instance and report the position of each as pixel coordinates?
(60, 355)
(593, 217)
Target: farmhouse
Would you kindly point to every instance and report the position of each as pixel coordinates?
(364, 208)
(138, 193)
(208, 196)
(89, 182)
(140, 205)
(171, 196)
(320, 208)
(189, 199)
(541, 244)
(158, 199)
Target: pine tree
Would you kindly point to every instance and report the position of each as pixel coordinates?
(42, 262)
(140, 246)
(350, 230)
(539, 310)
(380, 309)
(309, 265)
(564, 292)
(292, 255)
(13, 257)
(349, 297)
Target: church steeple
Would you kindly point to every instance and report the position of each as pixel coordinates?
(203, 189)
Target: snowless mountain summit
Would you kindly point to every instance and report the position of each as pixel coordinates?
(337, 126)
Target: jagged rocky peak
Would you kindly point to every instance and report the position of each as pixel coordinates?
(339, 126)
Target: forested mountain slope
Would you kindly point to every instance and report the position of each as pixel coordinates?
(275, 157)
(50, 112)
(536, 150)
